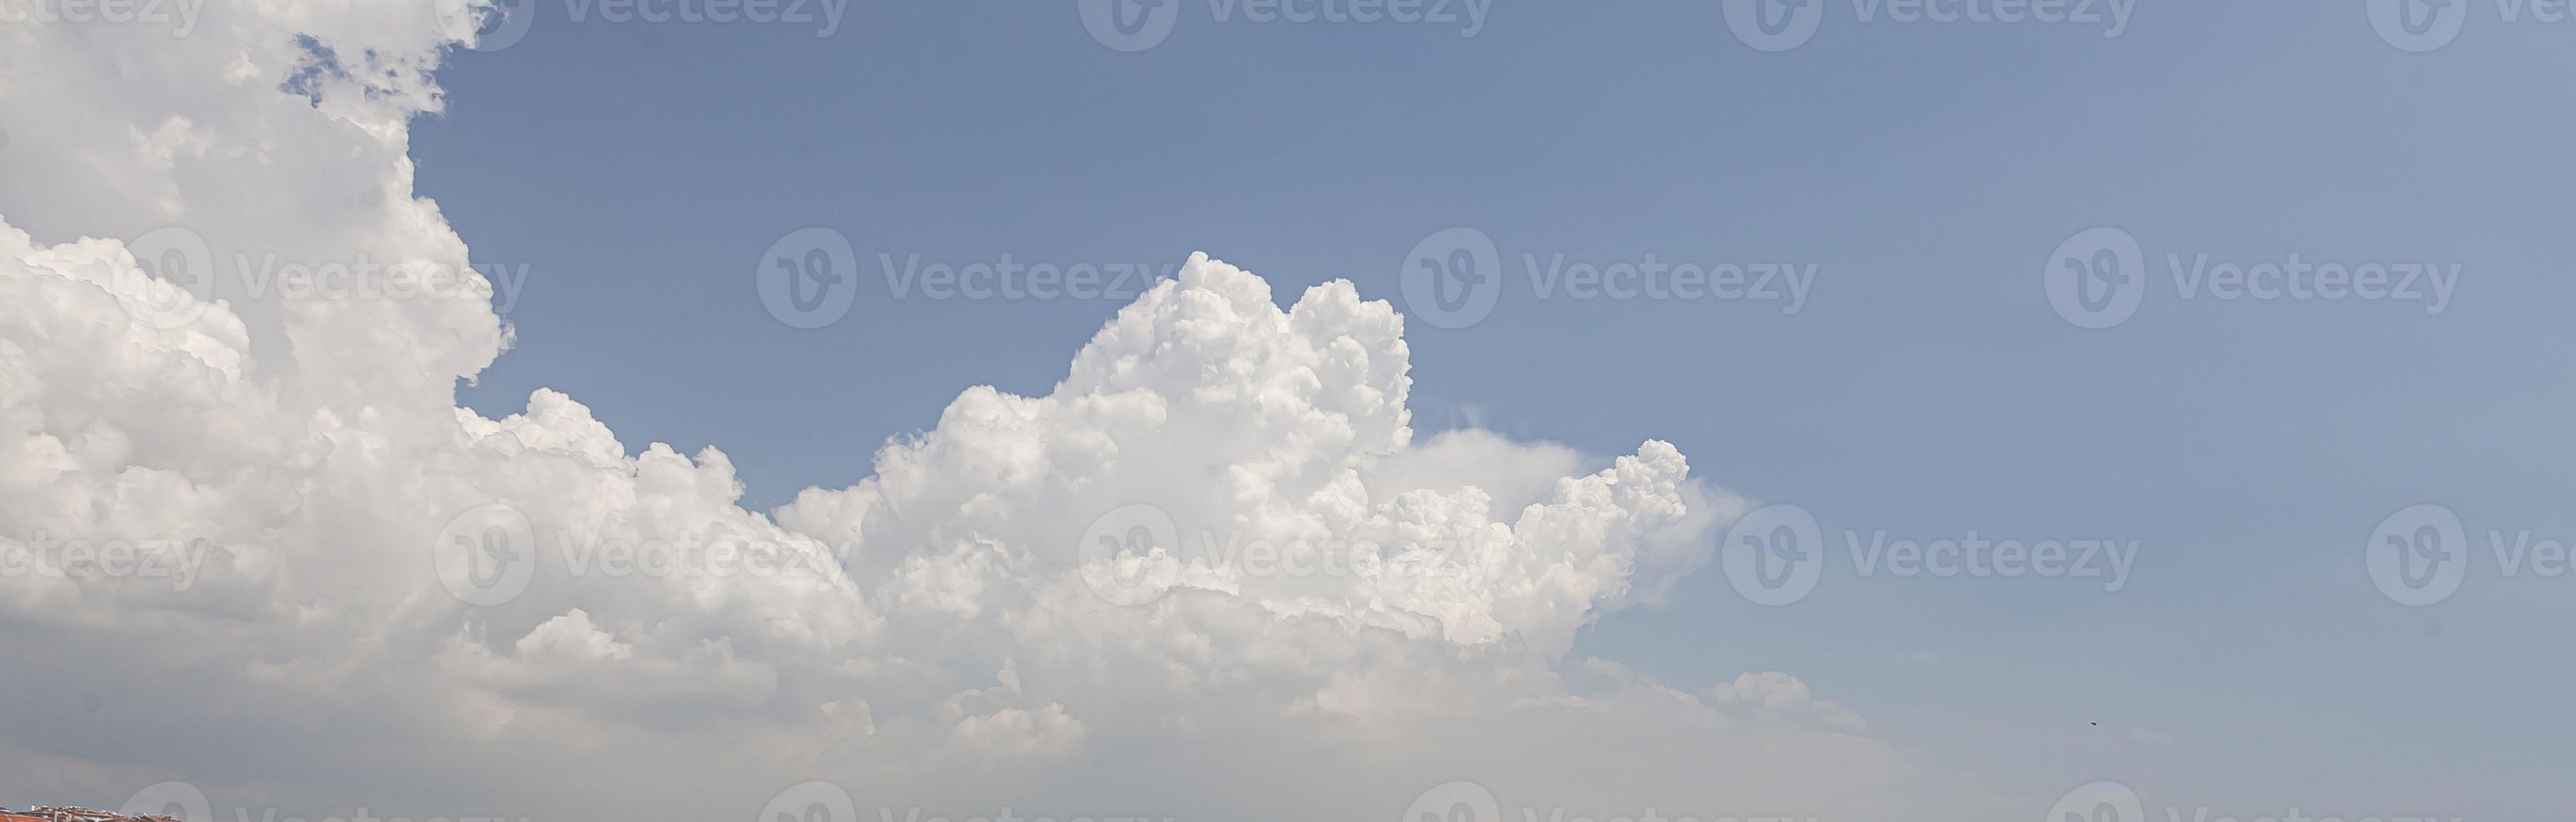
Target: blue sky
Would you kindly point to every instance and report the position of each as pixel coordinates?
(1927, 387)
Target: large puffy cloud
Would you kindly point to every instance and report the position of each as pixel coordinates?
(932, 636)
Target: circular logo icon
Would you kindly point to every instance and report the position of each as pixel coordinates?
(2419, 555)
(809, 277)
(2097, 278)
(2099, 802)
(1460, 801)
(2418, 25)
(1774, 25)
(1131, 555)
(498, 24)
(177, 800)
(1774, 555)
(486, 556)
(810, 802)
(173, 278)
(1130, 25)
(1452, 278)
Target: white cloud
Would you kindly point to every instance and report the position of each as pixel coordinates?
(940, 647)
(1784, 695)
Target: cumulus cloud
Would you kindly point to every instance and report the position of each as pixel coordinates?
(400, 604)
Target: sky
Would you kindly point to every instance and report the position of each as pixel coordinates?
(2008, 315)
